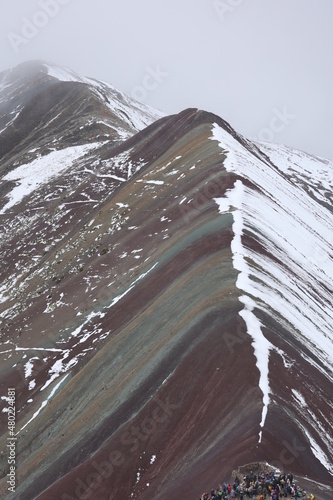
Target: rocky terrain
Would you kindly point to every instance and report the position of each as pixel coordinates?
(165, 296)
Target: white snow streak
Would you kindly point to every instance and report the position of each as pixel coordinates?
(43, 404)
(119, 297)
(317, 451)
(260, 344)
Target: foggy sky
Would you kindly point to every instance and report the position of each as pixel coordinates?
(265, 66)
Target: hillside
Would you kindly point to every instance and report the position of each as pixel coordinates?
(165, 295)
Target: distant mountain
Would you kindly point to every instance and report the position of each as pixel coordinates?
(165, 296)
(40, 102)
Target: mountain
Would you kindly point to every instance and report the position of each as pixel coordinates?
(165, 296)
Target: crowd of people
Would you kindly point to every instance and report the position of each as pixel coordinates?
(262, 486)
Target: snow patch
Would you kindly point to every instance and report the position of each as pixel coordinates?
(28, 368)
(62, 74)
(32, 385)
(31, 176)
(157, 183)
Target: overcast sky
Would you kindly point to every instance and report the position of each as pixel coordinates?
(265, 66)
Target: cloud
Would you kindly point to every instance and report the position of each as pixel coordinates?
(238, 59)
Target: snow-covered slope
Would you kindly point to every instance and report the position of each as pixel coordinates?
(136, 114)
(39, 172)
(294, 278)
(291, 277)
(50, 118)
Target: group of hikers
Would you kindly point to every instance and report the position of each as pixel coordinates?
(262, 486)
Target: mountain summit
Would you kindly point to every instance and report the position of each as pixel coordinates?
(165, 296)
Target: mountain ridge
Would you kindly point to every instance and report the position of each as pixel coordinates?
(162, 272)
